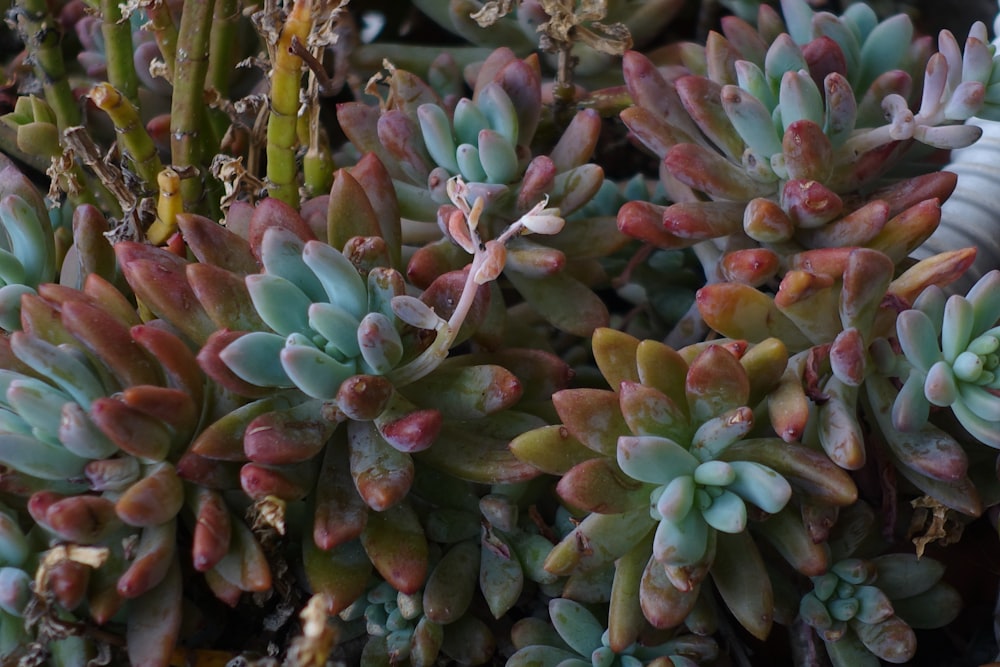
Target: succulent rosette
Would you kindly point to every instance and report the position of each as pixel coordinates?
(597, 29)
(415, 628)
(487, 140)
(950, 345)
(97, 410)
(576, 638)
(27, 245)
(775, 129)
(668, 474)
(334, 384)
(837, 366)
(865, 610)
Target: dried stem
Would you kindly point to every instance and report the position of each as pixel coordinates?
(83, 147)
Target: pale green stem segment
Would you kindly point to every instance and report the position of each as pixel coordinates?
(317, 163)
(286, 80)
(40, 32)
(118, 50)
(164, 32)
(132, 134)
(187, 111)
(222, 52)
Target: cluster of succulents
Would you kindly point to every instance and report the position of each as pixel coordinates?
(664, 470)
(486, 140)
(865, 610)
(427, 369)
(960, 371)
(769, 139)
(579, 639)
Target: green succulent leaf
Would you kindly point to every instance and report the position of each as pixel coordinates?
(681, 543)
(650, 458)
(576, 625)
(256, 358)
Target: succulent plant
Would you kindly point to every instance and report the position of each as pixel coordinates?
(415, 628)
(98, 410)
(271, 354)
(487, 140)
(672, 476)
(27, 250)
(950, 349)
(590, 33)
(580, 640)
(772, 135)
(860, 607)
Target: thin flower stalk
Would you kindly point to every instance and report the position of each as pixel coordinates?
(40, 32)
(187, 107)
(282, 137)
(488, 260)
(119, 50)
(134, 138)
(161, 24)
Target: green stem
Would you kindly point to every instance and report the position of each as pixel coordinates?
(317, 163)
(187, 111)
(132, 133)
(118, 50)
(286, 80)
(222, 51)
(40, 32)
(165, 33)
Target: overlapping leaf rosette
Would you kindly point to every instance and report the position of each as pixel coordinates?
(668, 476)
(775, 136)
(865, 610)
(488, 141)
(417, 628)
(97, 410)
(949, 359)
(20, 614)
(834, 309)
(27, 246)
(576, 638)
(336, 386)
(480, 549)
(593, 28)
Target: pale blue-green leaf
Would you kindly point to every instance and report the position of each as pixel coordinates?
(317, 374)
(256, 358)
(683, 542)
(280, 303)
(653, 459)
(576, 625)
